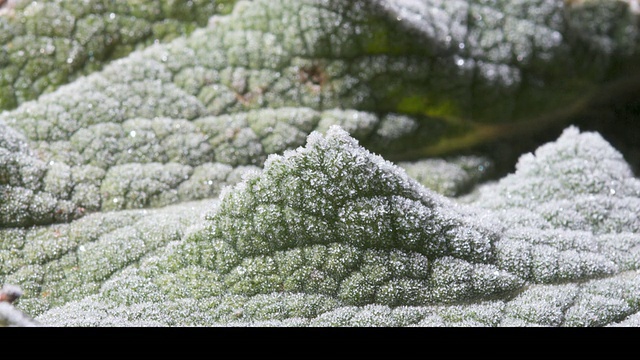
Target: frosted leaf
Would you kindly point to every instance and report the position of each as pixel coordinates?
(318, 229)
(341, 257)
(53, 42)
(313, 248)
(450, 177)
(577, 171)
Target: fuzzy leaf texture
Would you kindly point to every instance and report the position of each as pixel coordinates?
(231, 176)
(45, 44)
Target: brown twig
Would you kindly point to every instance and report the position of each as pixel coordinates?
(10, 293)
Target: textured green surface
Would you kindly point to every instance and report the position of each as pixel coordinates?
(111, 210)
(331, 234)
(45, 44)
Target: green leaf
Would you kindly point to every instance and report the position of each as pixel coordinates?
(45, 44)
(331, 234)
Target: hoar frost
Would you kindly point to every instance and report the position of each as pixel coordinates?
(332, 235)
(96, 177)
